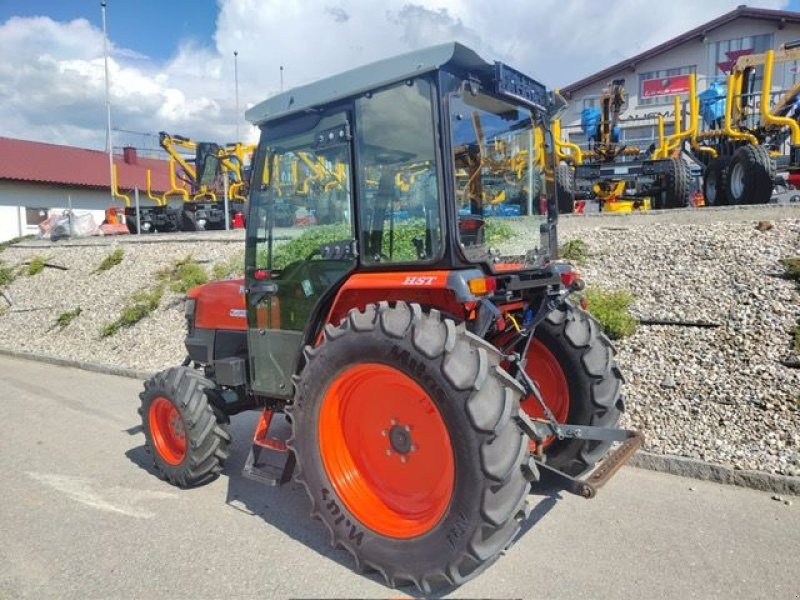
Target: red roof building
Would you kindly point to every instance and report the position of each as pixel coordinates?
(38, 162)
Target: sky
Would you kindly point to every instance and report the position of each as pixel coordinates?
(172, 62)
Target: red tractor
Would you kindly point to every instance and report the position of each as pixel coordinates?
(427, 381)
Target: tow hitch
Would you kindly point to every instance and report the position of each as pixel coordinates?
(540, 429)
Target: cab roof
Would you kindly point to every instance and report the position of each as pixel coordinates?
(363, 79)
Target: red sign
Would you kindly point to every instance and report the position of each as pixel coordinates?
(665, 86)
(727, 65)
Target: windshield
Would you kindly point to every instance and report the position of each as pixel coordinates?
(497, 170)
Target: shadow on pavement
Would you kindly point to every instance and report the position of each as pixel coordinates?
(287, 508)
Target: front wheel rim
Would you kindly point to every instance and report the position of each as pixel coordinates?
(386, 450)
(168, 430)
(737, 180)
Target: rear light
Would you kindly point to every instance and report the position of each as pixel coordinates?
(569, 277)
(482, 285)
(261, 274)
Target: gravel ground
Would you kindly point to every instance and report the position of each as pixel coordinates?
(716, 394)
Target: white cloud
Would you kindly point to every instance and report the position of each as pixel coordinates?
(52, 80)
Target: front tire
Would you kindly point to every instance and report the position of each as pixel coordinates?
(449, 509)
(715, 182)
(186, 436)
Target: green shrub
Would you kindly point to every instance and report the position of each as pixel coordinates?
(139, 306)
(111, 260)
(7, 275)
(791, 267)
(612, 309)
(183, 275)
(574, 250)
(498, 231)
(227, 268)
(66, 317)
(35, 265)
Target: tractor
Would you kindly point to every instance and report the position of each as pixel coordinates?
(426, 382)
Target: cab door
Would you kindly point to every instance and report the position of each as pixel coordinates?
(299, 241)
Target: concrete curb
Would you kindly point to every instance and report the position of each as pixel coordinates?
(674, 465)
(698, 469)
(78, 364)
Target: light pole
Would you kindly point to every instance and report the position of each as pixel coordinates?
(281, 78)
(236, 85)
(109, 146)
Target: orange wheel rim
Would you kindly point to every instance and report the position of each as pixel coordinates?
(168, 430)
(543, 367)
(386, 450)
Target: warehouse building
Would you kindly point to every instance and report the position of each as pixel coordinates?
(653, 78)
(36, 178)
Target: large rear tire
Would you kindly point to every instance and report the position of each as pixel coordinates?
(572, 362)
(751, 175)
(186, 436)
(405, 441)
(715, 182)
(677, 182)
(565, 189)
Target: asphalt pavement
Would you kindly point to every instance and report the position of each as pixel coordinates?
(82, 516)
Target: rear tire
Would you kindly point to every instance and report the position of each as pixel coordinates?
(586, 357)
(565, 189)
(715, 182)
(186, 436)
(474, 398)
(677, 184)
(751, 175)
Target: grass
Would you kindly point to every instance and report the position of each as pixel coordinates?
(16, 240)
(234, 266)
(183, 275)
(7, 275)
(575, 251)
(791, 267)
(498, 231)
(111, 260)
(35, 265)
(66, 317)
(612, 309)
(140, 305)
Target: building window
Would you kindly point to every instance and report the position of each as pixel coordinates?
(660, 87)
(722, 55)
(34, 216)
(590, 102)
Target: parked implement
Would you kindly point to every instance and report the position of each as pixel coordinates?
(623, 177)
(426, 382)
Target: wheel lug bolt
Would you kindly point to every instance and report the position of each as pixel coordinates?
(383, 433)
(388, 452)
(403, 458)
(407, 428)
(394, 421)
(413, 448)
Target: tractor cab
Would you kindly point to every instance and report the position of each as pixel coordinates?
(385, 183)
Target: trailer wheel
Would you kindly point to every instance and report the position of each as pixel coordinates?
(677, 184)
(565, 189)
(188, 221)
(750, 175)
(572, 362)
(715, 182)
(405, 441)
(187, 438)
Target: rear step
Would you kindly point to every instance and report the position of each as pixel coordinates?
(269, 461)
(602, 473)
(539, 429)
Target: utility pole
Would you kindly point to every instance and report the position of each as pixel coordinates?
(236, 85)
(281, 78)
(109, 145)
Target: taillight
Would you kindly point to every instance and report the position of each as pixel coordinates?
(569, 277)
(261, 274)
(482, 285)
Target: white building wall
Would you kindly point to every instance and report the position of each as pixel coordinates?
(691, 53)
